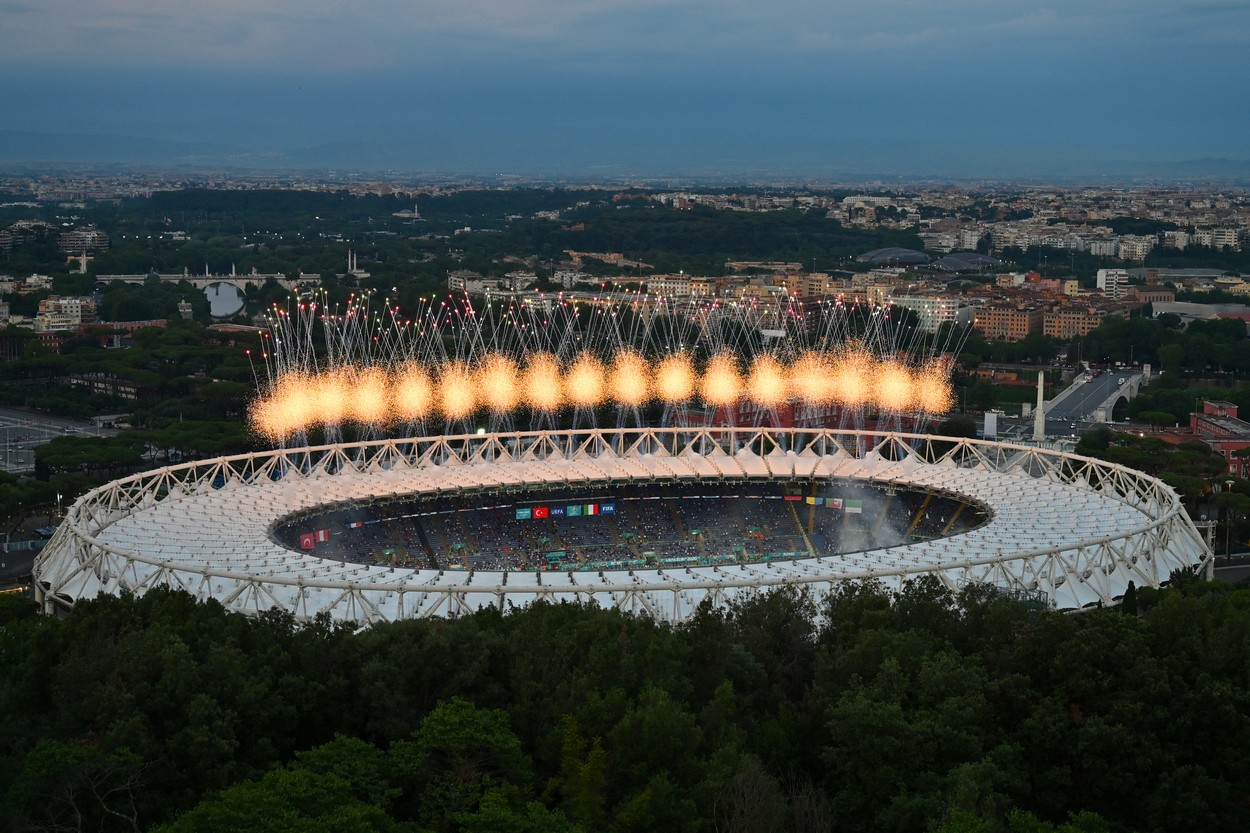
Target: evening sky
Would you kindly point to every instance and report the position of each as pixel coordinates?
(650, 86)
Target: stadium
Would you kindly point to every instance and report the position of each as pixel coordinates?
(654, 521)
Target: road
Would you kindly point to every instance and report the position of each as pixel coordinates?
(21, 431)
(1082, 402)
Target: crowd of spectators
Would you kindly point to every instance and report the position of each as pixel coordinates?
(647, 525)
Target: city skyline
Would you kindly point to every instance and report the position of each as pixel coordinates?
(610, 88)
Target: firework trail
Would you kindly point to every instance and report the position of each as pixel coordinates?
(549, 361)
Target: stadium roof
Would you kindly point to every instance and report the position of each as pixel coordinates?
(966, 262)
(893, 256)
(1074, 530)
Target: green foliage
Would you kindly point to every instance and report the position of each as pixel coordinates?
(861, 710)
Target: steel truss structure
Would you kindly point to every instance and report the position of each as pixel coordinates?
(1071, 529)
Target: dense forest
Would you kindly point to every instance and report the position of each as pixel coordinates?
(859, 711)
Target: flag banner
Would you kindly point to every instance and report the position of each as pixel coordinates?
(574, 511)
(853, 507)
(323, 535)
(524, 513)
(307, 541)
(834, 503)
(557, 511)
(540, 512)
(815, 501)
(355, 525)
(591, 509)
(607, 509)
(794, 497)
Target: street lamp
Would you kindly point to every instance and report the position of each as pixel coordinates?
(1228, 523)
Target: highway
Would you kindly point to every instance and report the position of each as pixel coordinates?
(1081, 403)
(21, 431)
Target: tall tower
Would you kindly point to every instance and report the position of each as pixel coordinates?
(1039, 413)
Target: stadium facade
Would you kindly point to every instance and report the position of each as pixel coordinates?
(1055, 526)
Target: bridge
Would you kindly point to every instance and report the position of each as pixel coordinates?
(1095, 400)
(240, 282)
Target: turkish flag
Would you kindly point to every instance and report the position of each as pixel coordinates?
(307, 541)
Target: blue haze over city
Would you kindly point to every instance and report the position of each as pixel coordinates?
(622, 88)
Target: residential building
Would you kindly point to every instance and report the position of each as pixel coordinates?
(1113, 282)
(1220, 428)
(933, 311)
(84, 239)
(1007, 321)
(1135, 247)
(58, 314)
(1069, 321)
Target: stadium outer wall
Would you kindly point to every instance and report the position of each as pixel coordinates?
(1070, 529)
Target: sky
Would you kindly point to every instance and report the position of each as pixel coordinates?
(816, 88)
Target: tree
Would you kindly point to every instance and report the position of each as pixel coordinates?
(458, 755)
(298, 801)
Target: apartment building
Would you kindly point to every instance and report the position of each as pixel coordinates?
(1006, 321)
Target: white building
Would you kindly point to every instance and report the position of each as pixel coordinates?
(1113, 282)
(516, 281)
(1135, 247)
(935, 310)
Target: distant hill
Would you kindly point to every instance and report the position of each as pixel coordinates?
(569, 155)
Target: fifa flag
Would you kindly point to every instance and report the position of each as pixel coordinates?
(307, 541)
(540, 512)
(524, 513)
(323, 535)
(607, 509)
(853, 507)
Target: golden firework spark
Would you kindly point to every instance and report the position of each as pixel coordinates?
(628, 379)
(498, 382)
(371, 397)
(766, 383)
(894, 388)
(721, 383)
(456, 390)
(811, 378)
(584, 383)
(413, 395)
(332, 392)
(541, 382)
(852, 377)
(675, 379)
(933, 390)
